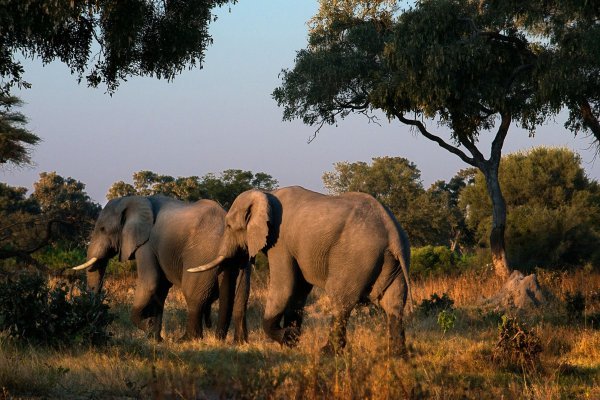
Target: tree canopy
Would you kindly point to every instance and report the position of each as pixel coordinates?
(105, 41)
(471, 67)
(222, 188)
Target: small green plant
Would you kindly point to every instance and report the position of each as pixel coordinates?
(436, 304)
(575, 305)
(446, 320)
(517, 346)
(32, 311)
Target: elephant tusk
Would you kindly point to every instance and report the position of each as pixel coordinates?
(208, 266)
(87, 264)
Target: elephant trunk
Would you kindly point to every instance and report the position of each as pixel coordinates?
(95, 276)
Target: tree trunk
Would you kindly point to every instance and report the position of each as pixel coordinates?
(497, 244)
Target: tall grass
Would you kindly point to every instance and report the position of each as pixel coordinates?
(455, 364)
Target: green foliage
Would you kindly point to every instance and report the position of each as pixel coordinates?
(57, 257)
(435, 260)
(436, 304)
(14, 138)
(105, 41)
(429, 216)
(223, 188)
(517, 346)
(553, 208)
(446, 320)
(32, 311)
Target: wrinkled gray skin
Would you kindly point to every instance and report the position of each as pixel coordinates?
(349, 245)
(166, 237)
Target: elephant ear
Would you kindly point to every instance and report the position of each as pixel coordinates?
(137, 219)
(258, 216)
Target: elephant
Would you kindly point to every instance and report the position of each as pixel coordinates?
(166, 237)
(349, 245)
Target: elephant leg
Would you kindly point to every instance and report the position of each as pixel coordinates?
(392, 302)
(337, 333)
(294, 313)
(206, 313)
(281, 290)
(227, 281)
(199, 294)
(344, 294)
(242, 293)
(148, 306)
(151, 292)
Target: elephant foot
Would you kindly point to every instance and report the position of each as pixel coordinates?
(290, 336)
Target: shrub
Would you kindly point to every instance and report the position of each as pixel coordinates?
(517, 346)
(436, 304)
(32, 311)
(433, 260)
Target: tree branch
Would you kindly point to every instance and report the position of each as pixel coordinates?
(437, 139)
(496, 151)
(470, 145)
(8, 253)
(590, 120)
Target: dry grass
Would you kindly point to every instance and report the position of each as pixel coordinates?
(441, 366)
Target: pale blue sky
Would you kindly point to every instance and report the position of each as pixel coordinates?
(222, 117)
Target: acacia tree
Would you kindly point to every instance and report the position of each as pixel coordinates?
(105, 41)
(444, 61)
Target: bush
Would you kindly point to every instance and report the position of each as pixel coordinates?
(433, 260)
(436, 304)
(32, 311)
(517, 346)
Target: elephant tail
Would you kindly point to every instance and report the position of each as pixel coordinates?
(399, 247)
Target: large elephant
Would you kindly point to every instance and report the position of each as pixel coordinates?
(166, 237)
(350, 245)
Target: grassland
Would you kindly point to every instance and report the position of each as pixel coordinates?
(455, 364)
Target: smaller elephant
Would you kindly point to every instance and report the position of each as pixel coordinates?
(166, 237)
(349, 245)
